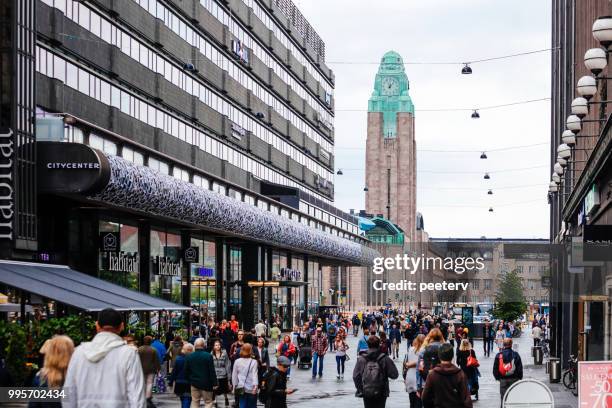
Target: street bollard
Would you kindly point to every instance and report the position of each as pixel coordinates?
(538, 355)
(554, 370)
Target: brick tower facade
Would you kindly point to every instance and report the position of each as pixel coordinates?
(391, 148)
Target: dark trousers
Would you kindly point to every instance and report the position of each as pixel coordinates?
(374, 403)
(504, 384)
(487, 345)
(415, 401)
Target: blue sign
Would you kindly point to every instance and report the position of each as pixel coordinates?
(205, 272)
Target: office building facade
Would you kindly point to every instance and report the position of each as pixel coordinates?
(195, 136)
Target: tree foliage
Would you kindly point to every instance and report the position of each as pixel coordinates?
(510, 301)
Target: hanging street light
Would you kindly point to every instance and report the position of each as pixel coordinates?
(486, 176)
(602, 31)
(564, 151)
(586, 87)
(580, 107)
(574, 123)
(595, 60)
(475, 114)
(490, 192)
(569, 138)
(466, 70)
(483, 155)
(339, 172)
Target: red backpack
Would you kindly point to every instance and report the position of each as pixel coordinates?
(506, 369)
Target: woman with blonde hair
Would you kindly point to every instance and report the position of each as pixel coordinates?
(58, 351)
(467, 361)
(410, 372)
(429, 352)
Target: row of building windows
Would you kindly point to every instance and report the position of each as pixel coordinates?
(267, 58)
(182, 29)
(111, 34)
(76, 135)
(224, 17)
(83, 81)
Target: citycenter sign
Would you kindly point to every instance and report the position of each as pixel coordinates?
(6, 185)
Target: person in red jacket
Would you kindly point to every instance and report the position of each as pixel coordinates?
(446, 384)
(287, 349)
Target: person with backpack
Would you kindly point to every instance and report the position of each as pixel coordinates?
(332, 331)
(446, 384)
(371, 375)
(273, 387)
(507, 367)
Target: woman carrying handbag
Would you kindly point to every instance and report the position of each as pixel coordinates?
(244, 378)
(466, 359)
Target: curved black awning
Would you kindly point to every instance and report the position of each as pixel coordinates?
(141, 188)
(79, 290)
(123, 184)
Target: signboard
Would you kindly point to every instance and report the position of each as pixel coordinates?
(591, 201)
(110, 242)
(238, 131)
(467, 318)
(546, 282)
(594, 384)
(122, 262)
(597, 241)
(163, 265)
(288, 274)
(205, 272)
(191, 255)
(6, 185)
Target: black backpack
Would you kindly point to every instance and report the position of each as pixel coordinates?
(373, 378)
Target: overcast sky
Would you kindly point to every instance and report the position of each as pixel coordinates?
(452, 194)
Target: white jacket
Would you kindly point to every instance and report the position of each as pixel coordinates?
(104, 373)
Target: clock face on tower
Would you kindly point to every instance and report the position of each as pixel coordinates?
(390, 86)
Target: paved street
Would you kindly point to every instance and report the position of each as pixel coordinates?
(329, 392)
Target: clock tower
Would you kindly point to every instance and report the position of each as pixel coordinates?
(391, 147)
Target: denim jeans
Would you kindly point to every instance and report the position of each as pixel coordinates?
(317, 360)
(340, 364)
(248, 401)
(185, 401)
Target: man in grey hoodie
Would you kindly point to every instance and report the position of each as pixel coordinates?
(105, 372)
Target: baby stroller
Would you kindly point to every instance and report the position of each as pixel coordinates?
(305, 357)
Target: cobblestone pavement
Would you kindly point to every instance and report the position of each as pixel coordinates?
(329, 392)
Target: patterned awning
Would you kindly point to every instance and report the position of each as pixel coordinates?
(143, 189)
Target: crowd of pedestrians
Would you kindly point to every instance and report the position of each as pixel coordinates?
(223, 365)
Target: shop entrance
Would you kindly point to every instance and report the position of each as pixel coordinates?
(591, 320)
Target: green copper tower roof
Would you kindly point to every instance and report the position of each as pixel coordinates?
(390, 94)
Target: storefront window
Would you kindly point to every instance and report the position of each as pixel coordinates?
(121, 267)
(314, 287)
(234, 282)
(203, 280)
(165, 265)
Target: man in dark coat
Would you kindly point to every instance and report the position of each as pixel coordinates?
(200, 373)
(446, 384)
(276, 384)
